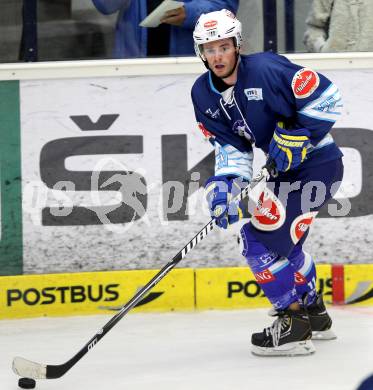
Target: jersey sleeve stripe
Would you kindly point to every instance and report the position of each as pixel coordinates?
(231, 161)
(328, 107)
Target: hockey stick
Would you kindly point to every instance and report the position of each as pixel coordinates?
(30, 369)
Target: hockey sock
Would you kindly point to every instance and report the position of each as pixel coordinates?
(304, 274)
(274, 274)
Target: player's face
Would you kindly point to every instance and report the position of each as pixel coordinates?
(220, 56)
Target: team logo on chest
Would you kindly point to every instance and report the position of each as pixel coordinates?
(304, 83)
(242, 129)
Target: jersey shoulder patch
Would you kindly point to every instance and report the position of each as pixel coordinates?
(304, 83)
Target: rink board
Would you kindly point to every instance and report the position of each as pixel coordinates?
(181, 290)
(226, 288)
(92, 293)
(64, 164)
(358, 282)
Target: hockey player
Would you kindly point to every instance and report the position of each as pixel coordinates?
(287, 111)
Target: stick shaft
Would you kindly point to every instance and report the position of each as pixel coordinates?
(22, 366)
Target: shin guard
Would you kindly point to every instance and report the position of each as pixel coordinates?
(304, 274)
(273, 273)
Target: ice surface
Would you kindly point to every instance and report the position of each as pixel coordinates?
(187, 351)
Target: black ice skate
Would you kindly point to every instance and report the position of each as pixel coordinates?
(320, 321)
(289, 335)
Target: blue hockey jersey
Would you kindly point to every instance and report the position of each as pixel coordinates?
(269, 89)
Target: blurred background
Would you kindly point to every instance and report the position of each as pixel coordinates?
(45, 30)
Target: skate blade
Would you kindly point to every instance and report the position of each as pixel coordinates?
(323, 335)
(297, 348)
